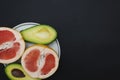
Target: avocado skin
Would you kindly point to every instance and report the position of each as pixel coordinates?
(10, 67)
(29, 34)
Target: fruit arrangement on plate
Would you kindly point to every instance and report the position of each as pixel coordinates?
(29, 51)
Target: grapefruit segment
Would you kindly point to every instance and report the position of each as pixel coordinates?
(10, 52)
(31, 60)
(40, 61)
(11, 45)
(6, 36)
(49, 64)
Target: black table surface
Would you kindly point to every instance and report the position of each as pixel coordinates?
(88, 32)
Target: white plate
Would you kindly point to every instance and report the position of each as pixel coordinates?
(54, 45)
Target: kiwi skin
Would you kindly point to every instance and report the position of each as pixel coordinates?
(40, 34)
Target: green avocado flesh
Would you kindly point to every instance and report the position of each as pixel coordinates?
(41, 34)
(16, 72)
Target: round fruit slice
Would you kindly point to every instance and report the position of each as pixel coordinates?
(16, 72)
(40, 61)
(11, 45)
(42, 34)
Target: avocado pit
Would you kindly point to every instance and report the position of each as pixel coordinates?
(17, 73)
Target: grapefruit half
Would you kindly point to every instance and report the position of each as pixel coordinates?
(12, 45)
(40, 61)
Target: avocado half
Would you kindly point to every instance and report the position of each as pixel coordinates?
(16, 72)
(41, 34)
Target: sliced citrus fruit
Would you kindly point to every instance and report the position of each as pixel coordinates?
(40, 61)
(12, 45)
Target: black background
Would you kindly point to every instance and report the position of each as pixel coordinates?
(88, 32)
